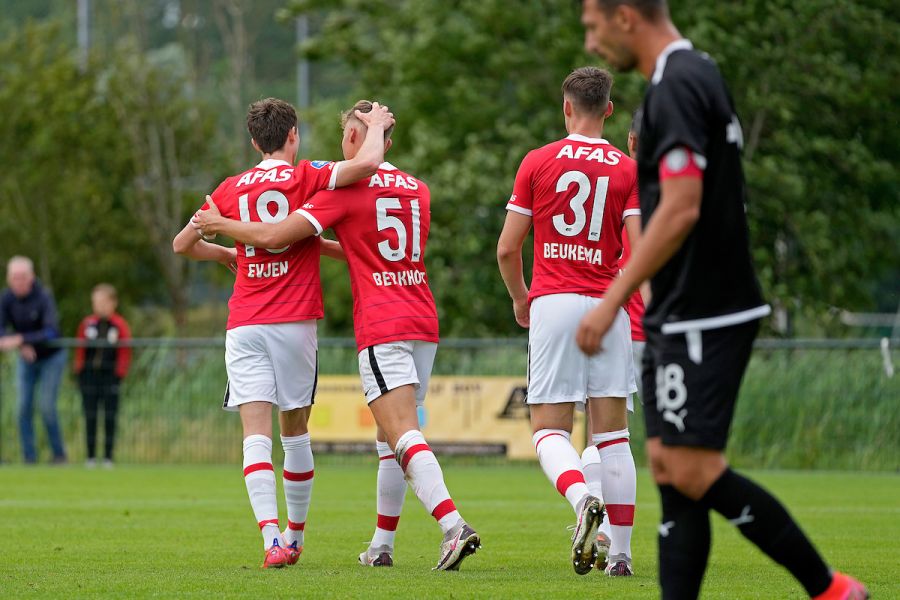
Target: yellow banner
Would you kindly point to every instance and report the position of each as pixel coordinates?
(464, 415)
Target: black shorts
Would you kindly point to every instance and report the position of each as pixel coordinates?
(689, 400)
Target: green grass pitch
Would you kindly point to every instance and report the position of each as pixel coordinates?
(170, 532)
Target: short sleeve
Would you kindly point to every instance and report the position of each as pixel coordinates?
(316, 175)
(216, 196)
(679, 115)
(522, 197)
(633, 203)
(325, 209)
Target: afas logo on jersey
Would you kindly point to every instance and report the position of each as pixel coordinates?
(309, 205)
(318, 164)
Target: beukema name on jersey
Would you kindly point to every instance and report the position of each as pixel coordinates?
(573, 252)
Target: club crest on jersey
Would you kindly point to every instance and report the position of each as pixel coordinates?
(318, 164)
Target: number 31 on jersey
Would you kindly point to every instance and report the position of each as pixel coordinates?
(578, 202)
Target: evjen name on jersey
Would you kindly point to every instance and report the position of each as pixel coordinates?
(578, 192)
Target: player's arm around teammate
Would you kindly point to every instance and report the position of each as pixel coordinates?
(383, 223)
(296, 227)
(188, 243)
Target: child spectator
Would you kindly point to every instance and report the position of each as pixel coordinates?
(101, 366)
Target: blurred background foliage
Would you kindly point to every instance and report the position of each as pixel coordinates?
(105, 159)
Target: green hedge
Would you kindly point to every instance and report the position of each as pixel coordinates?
(805, 409)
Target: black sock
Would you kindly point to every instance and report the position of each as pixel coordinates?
(683, 545)
(765, 522)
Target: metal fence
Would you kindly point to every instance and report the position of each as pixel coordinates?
(830, 404)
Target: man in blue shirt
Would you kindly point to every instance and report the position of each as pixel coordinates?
(29, 310)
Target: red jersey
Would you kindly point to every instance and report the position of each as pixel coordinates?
(115, 359)
(577, 191)
(635, 305)
(382, 223)
(275, 285)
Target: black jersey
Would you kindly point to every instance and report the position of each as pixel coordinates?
(711, 277)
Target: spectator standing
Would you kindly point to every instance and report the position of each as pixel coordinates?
(100, 364)
(29, 309)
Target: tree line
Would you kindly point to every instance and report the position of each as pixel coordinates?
(103, 164)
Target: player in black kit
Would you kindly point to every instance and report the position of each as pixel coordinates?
(706, 301)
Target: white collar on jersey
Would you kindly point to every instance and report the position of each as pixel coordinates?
(386, 166)
(577, 137)
(271, 163)
(680, 44)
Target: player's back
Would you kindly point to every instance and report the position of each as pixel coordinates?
(577, 191)
(689, 120)
(383, 223)
(274, 285)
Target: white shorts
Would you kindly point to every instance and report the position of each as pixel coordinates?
(384, 367)
(275, 363)
(558, 371)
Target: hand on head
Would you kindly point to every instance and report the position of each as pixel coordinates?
(379, 116)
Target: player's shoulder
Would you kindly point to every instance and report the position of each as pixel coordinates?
(226, 186)
(539, 157)
(687, 69)
(550, 150)
(313, 165)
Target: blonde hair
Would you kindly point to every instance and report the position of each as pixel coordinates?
(363, 106)
(20, 260)
(108, 290)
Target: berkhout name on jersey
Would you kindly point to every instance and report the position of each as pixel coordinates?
(263, 270)
(610, 157)
(573, 252)
(259, 176)
(409, 277)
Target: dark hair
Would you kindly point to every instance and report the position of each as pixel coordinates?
(269, 122)
(636, 119)
(588, 89)
(649, 9)
(363, 106)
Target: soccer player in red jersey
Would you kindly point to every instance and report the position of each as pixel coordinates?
(577, 193)
(590, 458)
(635, 305)
(271, 344)
(706, 304)
(382, 223)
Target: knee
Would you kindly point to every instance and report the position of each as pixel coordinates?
(691, 478)
(685, 480)
(658, 471)
(295, 430)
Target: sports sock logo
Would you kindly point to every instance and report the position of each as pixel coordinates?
(744, 518)
(665, 528)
